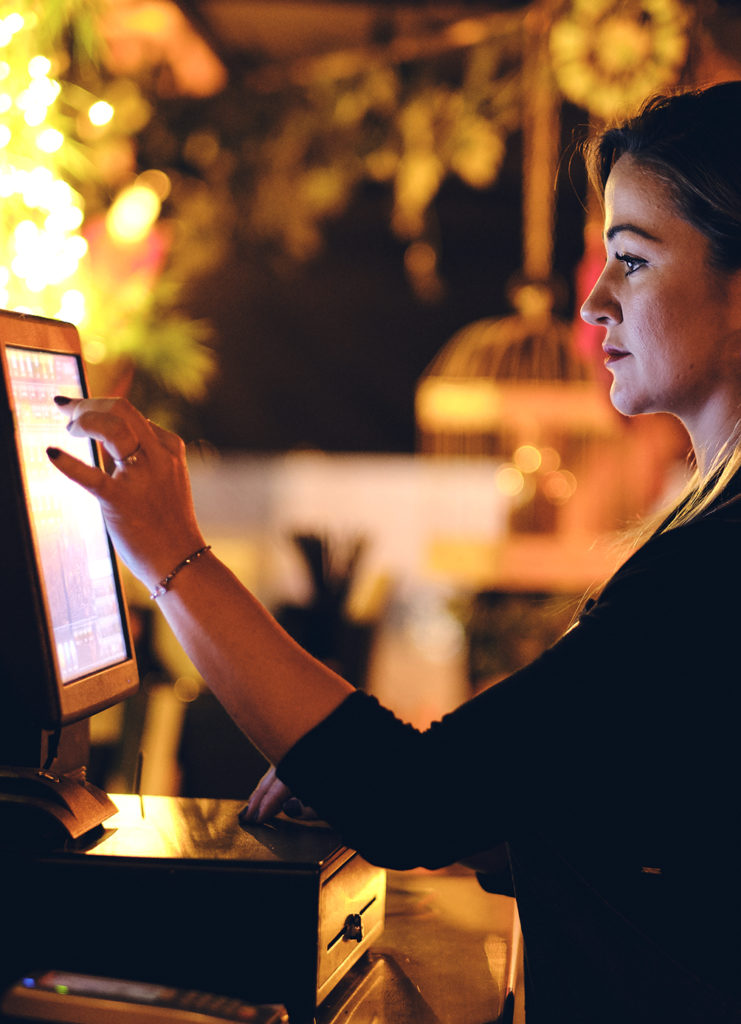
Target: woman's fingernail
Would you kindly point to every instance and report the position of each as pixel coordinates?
(62, 400)
(53, 453)
(293, 807)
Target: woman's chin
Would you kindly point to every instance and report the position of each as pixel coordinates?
(626, 403)
(621, 402)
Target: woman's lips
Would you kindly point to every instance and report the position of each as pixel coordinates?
(614, 355)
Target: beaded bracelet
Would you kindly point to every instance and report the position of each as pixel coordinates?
(164, 584)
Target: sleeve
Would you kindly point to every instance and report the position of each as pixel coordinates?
(578, 730)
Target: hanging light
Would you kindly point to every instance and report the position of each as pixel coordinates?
(514, 387)
(504, 382)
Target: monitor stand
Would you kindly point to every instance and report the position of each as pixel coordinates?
(52, 805)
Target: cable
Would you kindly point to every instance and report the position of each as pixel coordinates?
(53, 748)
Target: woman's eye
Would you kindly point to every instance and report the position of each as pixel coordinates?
(632, 263)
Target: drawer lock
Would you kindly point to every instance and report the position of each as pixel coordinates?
(353, 928)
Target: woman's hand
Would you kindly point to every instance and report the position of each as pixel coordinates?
(146, 499)
(270, 797)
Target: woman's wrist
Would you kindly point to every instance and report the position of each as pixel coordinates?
(164, 583)
(154, 567)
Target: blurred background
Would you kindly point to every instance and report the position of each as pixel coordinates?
(340, 247)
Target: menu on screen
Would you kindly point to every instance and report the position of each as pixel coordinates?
(79, 578)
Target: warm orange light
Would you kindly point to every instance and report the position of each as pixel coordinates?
(528, 458)
(132, 214)
(558, 487)
(510, 481)
(458, 405)
(550, 459)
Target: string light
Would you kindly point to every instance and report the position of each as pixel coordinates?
(50, 140)
(132, 214)
(65, 121)
(39, 67)
(44, 215)
(100, 113)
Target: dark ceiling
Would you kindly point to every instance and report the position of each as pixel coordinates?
(292, 29)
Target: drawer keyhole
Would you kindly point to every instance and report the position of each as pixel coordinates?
(353, 928)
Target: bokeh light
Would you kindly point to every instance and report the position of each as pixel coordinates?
(510, 481)
(44, 249)
(133, 213)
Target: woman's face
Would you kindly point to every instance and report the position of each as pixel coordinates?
(673, 322)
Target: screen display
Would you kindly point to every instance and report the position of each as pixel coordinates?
(64, 983)
(77, 569)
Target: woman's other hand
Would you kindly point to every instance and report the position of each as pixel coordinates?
(145, 499)
(270, 797)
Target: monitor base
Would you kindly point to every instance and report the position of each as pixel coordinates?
(38, 806)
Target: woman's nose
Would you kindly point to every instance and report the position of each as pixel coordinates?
(601, 308)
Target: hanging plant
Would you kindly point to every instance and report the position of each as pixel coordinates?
(293, 149)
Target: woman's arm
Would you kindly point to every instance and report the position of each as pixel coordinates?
(270, 686)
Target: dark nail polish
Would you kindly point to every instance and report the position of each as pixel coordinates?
(293, 807)
(53, 453)
(62, 400)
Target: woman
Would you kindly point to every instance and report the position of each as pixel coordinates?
(610, 765)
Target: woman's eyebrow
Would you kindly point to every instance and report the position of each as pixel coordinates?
(633, 228)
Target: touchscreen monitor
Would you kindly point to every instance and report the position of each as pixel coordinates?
(63, 621)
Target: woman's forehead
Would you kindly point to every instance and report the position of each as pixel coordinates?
(637, 196)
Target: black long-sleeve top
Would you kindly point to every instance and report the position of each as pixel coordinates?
(611, 766)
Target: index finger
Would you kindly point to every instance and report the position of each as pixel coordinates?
(91, 478)
(114, 422)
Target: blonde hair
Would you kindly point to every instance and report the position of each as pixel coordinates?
(700, 493)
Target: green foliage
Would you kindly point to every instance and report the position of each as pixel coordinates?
(72, 25)
(59, 165)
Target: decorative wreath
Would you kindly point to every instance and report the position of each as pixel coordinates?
(609, 55)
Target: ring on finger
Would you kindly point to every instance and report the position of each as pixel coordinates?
(130, 460)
